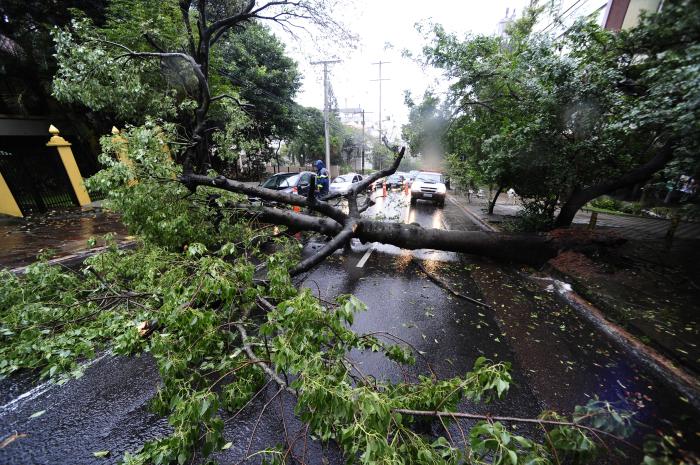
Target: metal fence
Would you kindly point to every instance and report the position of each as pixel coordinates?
(37, 179)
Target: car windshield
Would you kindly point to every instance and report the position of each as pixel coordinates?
(395, 178)
(339, 179)
(429, 177)
(281, 180)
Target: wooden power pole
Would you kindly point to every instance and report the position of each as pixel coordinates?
(325, 64)
(380, 63)
(357, 111)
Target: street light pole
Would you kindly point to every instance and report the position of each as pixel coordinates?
(326, 130)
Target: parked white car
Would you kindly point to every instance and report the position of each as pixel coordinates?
(341, 184)
(429, 185)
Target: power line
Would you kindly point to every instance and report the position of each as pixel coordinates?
(561, 15)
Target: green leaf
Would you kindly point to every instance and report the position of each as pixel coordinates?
(101, 454)
(204, 407)
(37, 414)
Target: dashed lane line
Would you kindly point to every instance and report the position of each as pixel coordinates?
(365, 257)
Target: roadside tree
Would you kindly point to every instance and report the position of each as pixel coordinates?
(565, 121)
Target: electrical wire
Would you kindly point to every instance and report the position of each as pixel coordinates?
(562, 17)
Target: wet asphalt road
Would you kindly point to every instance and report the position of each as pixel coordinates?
(558, 360)
(64, 232)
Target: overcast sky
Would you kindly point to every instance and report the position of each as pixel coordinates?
(385, 28)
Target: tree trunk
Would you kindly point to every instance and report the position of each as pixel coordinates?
(492, 204)
(579, 197)
(568, 211)
(531, 249)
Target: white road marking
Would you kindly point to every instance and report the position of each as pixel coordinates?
(365, 257)
(42, 388)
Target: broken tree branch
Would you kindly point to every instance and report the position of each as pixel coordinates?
(325, 251)
(539, 421)
(443, 284)
(192, 180)
(262, 364)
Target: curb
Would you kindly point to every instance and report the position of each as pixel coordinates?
(669, 373)
(484, 226)
(666, 370)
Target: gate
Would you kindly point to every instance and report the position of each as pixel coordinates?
(37, 179)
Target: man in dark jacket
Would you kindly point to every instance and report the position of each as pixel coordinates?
(322, 178)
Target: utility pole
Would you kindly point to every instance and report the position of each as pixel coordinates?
(363, 142)
(356, 111)
(325, 64)
(380, 63)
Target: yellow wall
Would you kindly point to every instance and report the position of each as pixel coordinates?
(8, 205)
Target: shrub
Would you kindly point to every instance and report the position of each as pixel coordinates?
(606, 203)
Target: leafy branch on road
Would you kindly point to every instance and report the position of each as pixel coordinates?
(214, 349)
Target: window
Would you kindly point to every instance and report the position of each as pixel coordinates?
(429, 177)
(277, 180)
(305, 178)
(290, 181)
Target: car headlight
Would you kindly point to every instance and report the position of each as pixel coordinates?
(441, 188)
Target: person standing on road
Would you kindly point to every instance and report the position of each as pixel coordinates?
(322, 181)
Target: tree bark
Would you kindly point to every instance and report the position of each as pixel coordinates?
(492, 204)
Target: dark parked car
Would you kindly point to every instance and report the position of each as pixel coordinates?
(296, 183)
(395, 181)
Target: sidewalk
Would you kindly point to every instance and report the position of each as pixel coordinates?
(65, 232)
(649, 288)
(629, 227)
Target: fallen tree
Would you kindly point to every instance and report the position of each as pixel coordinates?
(191, 297)
(532, 249)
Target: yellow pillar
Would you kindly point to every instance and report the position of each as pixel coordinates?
(120, 142)
(66, 154)
(8, 205)
(164, 146)
(123, 152)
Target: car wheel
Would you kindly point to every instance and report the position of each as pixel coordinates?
(441, 204)
(413, 200)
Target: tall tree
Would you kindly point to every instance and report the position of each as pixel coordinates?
(158, 56)
(572, 119)
(26, 49)
(267, 80)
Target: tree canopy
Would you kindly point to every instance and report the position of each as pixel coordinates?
(570, 119)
